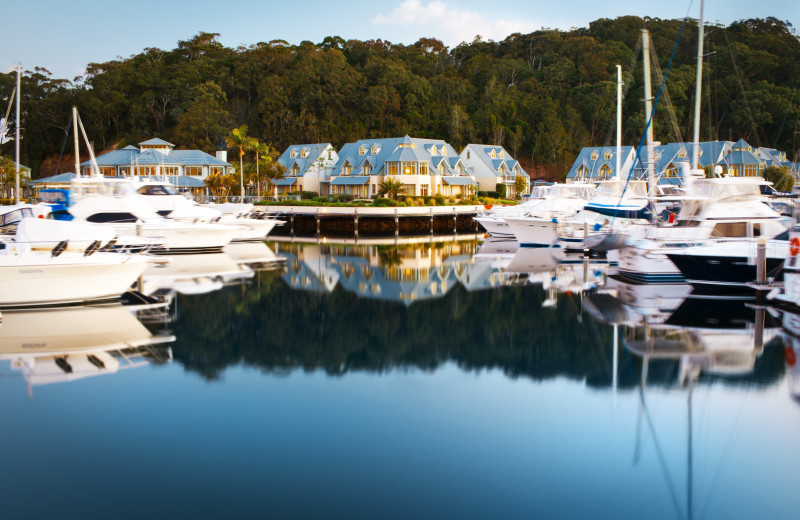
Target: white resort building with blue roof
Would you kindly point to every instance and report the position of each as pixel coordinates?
(737, 159)
(308, 168)
(424, 166)
(492, 165)
(156, 157)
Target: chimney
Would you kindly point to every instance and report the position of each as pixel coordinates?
(222, 155)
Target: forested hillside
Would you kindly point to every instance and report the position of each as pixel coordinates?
(542, 95)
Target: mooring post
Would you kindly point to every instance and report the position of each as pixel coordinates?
(761, 269)
(759, 336)
(585, 236)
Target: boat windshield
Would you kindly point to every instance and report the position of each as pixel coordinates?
(156, 189)
(615, 189)
(566, 191)
(728, 189)
(9, 221)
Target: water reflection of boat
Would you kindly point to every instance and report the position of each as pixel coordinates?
(256, 255)
(70, 343)
(195, 274)
(791, 338)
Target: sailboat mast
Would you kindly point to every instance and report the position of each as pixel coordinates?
(648, 109)
(697, 90)
(77, 142)
(16, 142)
(619, 121)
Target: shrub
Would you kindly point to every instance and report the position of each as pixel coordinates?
(428, 201)
(483, 194)
(494, 195)
(501, 189)
(383, 202)
(439, 200)
(308, 195)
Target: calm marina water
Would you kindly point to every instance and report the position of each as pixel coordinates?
(443, 379)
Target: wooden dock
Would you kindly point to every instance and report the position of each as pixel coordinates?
(325, 220)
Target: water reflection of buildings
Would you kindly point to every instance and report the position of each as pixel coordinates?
(66, 344)
(418, 271)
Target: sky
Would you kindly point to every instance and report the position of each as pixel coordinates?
(63, 37)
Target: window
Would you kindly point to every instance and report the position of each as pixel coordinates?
(195, 171)
(216, 170)
(434, 151)
(362, 150)
(304, 153)
(423, 168)
(374, 189)
(467, 154)
(409, 168)
(374, 149)
(595, 155)
(347, 169)
(367, 168)
(460, 168)
(502, 154)
(607, 155)
(124, 170)
(441, 167)
(330, 154)
(111, 217)
(293, 154)
(394, 168)
(423, 190)
(295, 170)
(493, 154)
(682, 153)
(169, 170)
(409, 189)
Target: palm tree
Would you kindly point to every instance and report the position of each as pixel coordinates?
(259, 148)
(238, 139)
(391, 186)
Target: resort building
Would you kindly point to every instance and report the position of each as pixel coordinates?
(424, 166)
(737, 159)
(600, 163)
(493, 165)
(308, 168)
(188, 168)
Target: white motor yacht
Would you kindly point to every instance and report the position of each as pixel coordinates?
(112, 203)
(30, 277)
(161, 196)
(538, 226)
(727, 208)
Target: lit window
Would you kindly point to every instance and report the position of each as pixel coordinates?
(434, 151)
(293, 154)
(494, 154)
(595, 155)
(467, 154)
(444, 150)
(374, 149)
(682, 153)
(502, 154)
(607, 155)
(361, 150)
(347, 169)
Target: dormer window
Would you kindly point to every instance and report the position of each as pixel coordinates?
(444, 150)
(434, 151)
(682, 153)
(367, 168)
(347, 169)
(362, 150)
(502, 154)
(295, 170)
(374, 149)
(607, 155)
(493, 154)
(304, 153)
(441, 167)
(595, 155)
(293, 154)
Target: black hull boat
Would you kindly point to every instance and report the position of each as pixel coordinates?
(723, 273)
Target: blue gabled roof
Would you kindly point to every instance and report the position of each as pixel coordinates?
(315, 150)
(483, 165)
(131, 156)
(156, 141)
(286, 181)
(346, 180)
(61, 178)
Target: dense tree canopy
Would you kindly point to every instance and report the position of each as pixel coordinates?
(543, 95)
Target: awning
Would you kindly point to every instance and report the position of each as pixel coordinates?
(350, 181)
(286, 181)
(459, 181)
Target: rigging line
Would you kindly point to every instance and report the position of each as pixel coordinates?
(659, 452)
(10, 102)
(741, 86)
(64, 145)
(670, 108)
(785, 114)
(652, 113)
